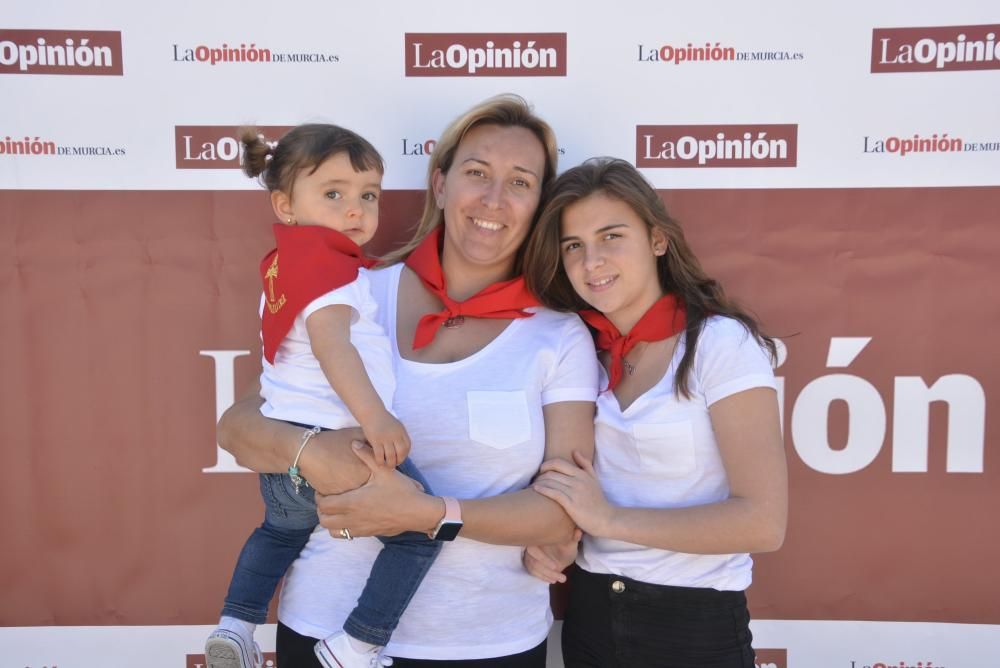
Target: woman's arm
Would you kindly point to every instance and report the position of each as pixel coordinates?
(269, 446)
(386, 505)
(526, 517)
(752, 519)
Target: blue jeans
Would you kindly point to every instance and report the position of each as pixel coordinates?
(289, 520)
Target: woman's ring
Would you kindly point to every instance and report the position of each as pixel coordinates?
(344, 533)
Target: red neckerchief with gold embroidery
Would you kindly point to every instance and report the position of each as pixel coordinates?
(505, 299)
(664, 318)
(313, 261)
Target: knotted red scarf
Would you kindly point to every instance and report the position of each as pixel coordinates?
(314, 261)
(664, 318)
(505, 299)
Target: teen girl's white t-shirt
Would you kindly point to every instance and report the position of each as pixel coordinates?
(661, 452)
(295, 389)
(477, 431)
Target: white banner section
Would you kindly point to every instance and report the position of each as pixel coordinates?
(779, 644)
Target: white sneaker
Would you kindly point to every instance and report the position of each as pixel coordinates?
(227, 649)
(336, 652)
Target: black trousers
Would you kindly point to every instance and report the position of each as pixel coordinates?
(615, 622)
(296, 651)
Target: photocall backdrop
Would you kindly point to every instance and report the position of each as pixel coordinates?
(836, 166)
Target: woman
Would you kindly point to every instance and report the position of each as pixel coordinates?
(488, 386)
(690, 473)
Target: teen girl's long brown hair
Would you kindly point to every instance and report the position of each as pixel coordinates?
(678, 269)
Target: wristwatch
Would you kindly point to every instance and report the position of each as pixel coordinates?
(451, 523)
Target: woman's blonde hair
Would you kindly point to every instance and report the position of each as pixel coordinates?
(507, 110)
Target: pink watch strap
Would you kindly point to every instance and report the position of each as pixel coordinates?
(452, 509)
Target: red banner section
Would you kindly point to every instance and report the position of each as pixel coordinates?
(131, 316)
(936, 49)
(486, 54)
(716, 145)
(772, 658)
(216, 146)
(88, 52)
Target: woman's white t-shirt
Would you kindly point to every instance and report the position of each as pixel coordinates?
(661, 452)
(295, 389)
(477, 431)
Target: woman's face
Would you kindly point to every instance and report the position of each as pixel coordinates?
(609, 255)
(490, 194)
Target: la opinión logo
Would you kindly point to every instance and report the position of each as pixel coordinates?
(88, 52)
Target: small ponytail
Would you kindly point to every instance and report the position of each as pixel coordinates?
(303, 147)
(255, 153)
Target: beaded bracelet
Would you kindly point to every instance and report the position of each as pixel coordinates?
(293, 471)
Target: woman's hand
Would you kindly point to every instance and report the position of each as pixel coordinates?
(323, 462)
(578, 491)
(547, 562)
(388, 504)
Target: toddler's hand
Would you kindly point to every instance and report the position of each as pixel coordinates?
(388, 438)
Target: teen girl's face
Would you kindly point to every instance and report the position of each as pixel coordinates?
(490, 194)
(334, 196)
(609, 255)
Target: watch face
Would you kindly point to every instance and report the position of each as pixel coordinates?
(448, 530)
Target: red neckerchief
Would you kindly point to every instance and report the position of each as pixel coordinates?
(314, 261)
(505, 299)
(664, 318)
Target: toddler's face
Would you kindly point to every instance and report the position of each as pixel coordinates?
(337, 197)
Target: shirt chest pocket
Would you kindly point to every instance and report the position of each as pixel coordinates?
(499, 419)
(666, 448)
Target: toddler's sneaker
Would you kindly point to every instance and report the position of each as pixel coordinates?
(228, 649)
(336, 652)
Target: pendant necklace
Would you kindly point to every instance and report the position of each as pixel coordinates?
(630, 367)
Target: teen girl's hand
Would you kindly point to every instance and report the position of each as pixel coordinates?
(547, 562)
(388, 439)
(578, 491)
